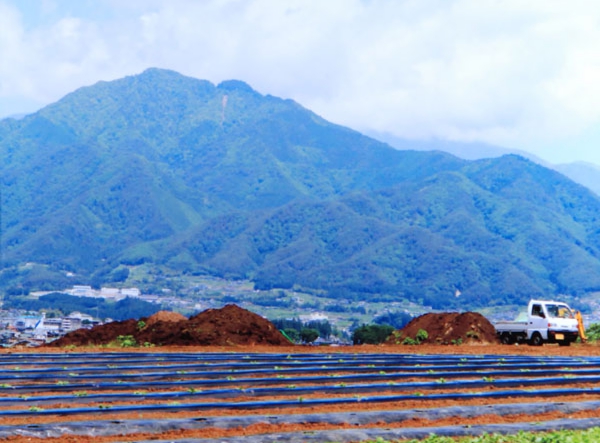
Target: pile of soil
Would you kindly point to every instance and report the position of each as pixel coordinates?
(228, 326)
(448, 328)
(167, 316)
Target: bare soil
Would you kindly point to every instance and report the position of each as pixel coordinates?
(230, 325)
(447, 328)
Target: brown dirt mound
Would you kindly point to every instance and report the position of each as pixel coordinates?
(448, 328)
(167, 316)
(98, 335)
(230, 325)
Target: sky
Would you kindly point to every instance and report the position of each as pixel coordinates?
(513, 73)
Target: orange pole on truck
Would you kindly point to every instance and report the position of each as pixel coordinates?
(580, 327)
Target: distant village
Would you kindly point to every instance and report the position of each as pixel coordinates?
(25, 329)
(33, 330)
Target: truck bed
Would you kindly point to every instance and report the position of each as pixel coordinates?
(510, 326)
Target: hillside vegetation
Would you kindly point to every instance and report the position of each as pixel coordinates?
(175, 172)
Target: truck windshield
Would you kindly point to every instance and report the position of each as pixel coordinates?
(559, 311)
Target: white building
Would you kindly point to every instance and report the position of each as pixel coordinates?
(131, 292)
(111, 294)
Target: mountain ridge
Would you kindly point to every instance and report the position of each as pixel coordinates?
(175, 172)
(584, 173)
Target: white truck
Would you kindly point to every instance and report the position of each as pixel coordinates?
(544, 322)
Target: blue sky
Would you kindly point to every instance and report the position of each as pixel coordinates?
(519, 74)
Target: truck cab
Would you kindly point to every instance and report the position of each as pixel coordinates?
(554, 322)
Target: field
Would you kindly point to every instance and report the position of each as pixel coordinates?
(294, 394)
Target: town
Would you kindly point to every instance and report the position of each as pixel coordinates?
(26, 328)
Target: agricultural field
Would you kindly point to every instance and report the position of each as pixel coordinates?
(294, 393)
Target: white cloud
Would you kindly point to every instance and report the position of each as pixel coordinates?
(11, 36)
(514, 73)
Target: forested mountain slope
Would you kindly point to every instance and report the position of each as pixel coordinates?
(584, 173)
(164, 169)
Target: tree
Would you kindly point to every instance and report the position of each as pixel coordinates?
(371, 334)
(309, 335)
(397, 319)
(323, 327)
(593, 332)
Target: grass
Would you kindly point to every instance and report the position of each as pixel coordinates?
(591, 435)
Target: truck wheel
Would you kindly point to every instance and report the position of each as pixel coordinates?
(506, 339)
(536, 339)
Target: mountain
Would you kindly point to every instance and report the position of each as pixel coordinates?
(584, 173)
(16, 116)
(465, 150)
(181, 174)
